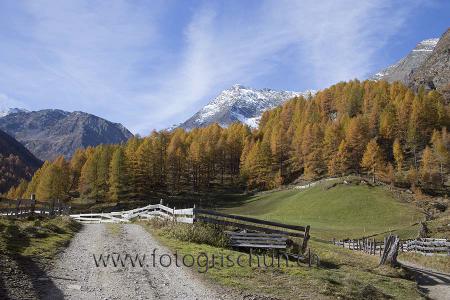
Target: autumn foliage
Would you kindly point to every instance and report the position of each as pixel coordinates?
(383, 130)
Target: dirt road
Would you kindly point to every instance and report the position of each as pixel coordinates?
(435, 284)
(76, 276)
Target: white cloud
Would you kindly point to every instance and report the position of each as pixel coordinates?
(80, 55)
(332, 41)
(123, 61)
(9, 102)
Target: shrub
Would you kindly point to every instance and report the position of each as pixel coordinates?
(199, 233)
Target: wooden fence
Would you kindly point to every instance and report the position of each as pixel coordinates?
(246, 223)
(428, 246)
(425, 246)
(146, 212)
(191, 215)
(27, 207)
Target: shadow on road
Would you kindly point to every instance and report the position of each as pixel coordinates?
(430, 282)
(22, 277)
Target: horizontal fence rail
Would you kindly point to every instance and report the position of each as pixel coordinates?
(26, 207)
(257, 240)
(247, 223)
(191, 215)
(425, 246)
(146, 212)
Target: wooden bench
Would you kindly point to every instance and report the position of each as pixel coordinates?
(257, 240)
(266, 228)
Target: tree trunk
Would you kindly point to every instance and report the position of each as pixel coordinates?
(390, 252)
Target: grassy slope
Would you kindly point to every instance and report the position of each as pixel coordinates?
(343, 274)
(343, 211)
(36, 238)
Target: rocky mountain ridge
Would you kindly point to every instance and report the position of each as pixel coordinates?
(51, 132)
(401, 70)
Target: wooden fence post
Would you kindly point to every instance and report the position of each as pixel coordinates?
(9, 207)
(193, 214)
(52, 207)
(33, 204)
(17, 207)
(390, 251)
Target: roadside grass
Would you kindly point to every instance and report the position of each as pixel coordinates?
(343, 274)
(36, 237)
(435, 262)
(334, 211)
(439, 228)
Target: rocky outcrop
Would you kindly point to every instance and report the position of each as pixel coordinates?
(434, 73)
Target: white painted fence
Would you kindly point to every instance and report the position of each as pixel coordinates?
(146, 212)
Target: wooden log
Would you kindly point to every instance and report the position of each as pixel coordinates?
(390, 252)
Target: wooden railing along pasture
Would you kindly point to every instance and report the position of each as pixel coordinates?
(146, 212)
(247, 223)
(26, 207)
(191, 215)
(425, 246)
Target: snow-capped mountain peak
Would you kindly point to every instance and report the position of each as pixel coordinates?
(426, 45)
(401, 70)
(240, 103)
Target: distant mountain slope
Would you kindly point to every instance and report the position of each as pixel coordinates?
(401, 70)
(434, 73)
(9, 110)
(241, 104)
(16, 162)
(51, 132)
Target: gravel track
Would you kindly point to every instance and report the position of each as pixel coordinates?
(435, 284)
(76, 276)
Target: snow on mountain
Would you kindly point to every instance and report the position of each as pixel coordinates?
(434, 72)
(7, 111)
(401, 70)
(241, 104)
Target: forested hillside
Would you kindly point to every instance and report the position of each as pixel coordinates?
(376, 128)
(16, 163)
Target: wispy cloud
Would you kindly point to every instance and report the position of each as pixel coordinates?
(149, 66)
(80, 55)
(8, 102)
(330, 41)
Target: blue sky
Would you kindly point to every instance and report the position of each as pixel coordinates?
(151, 64)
